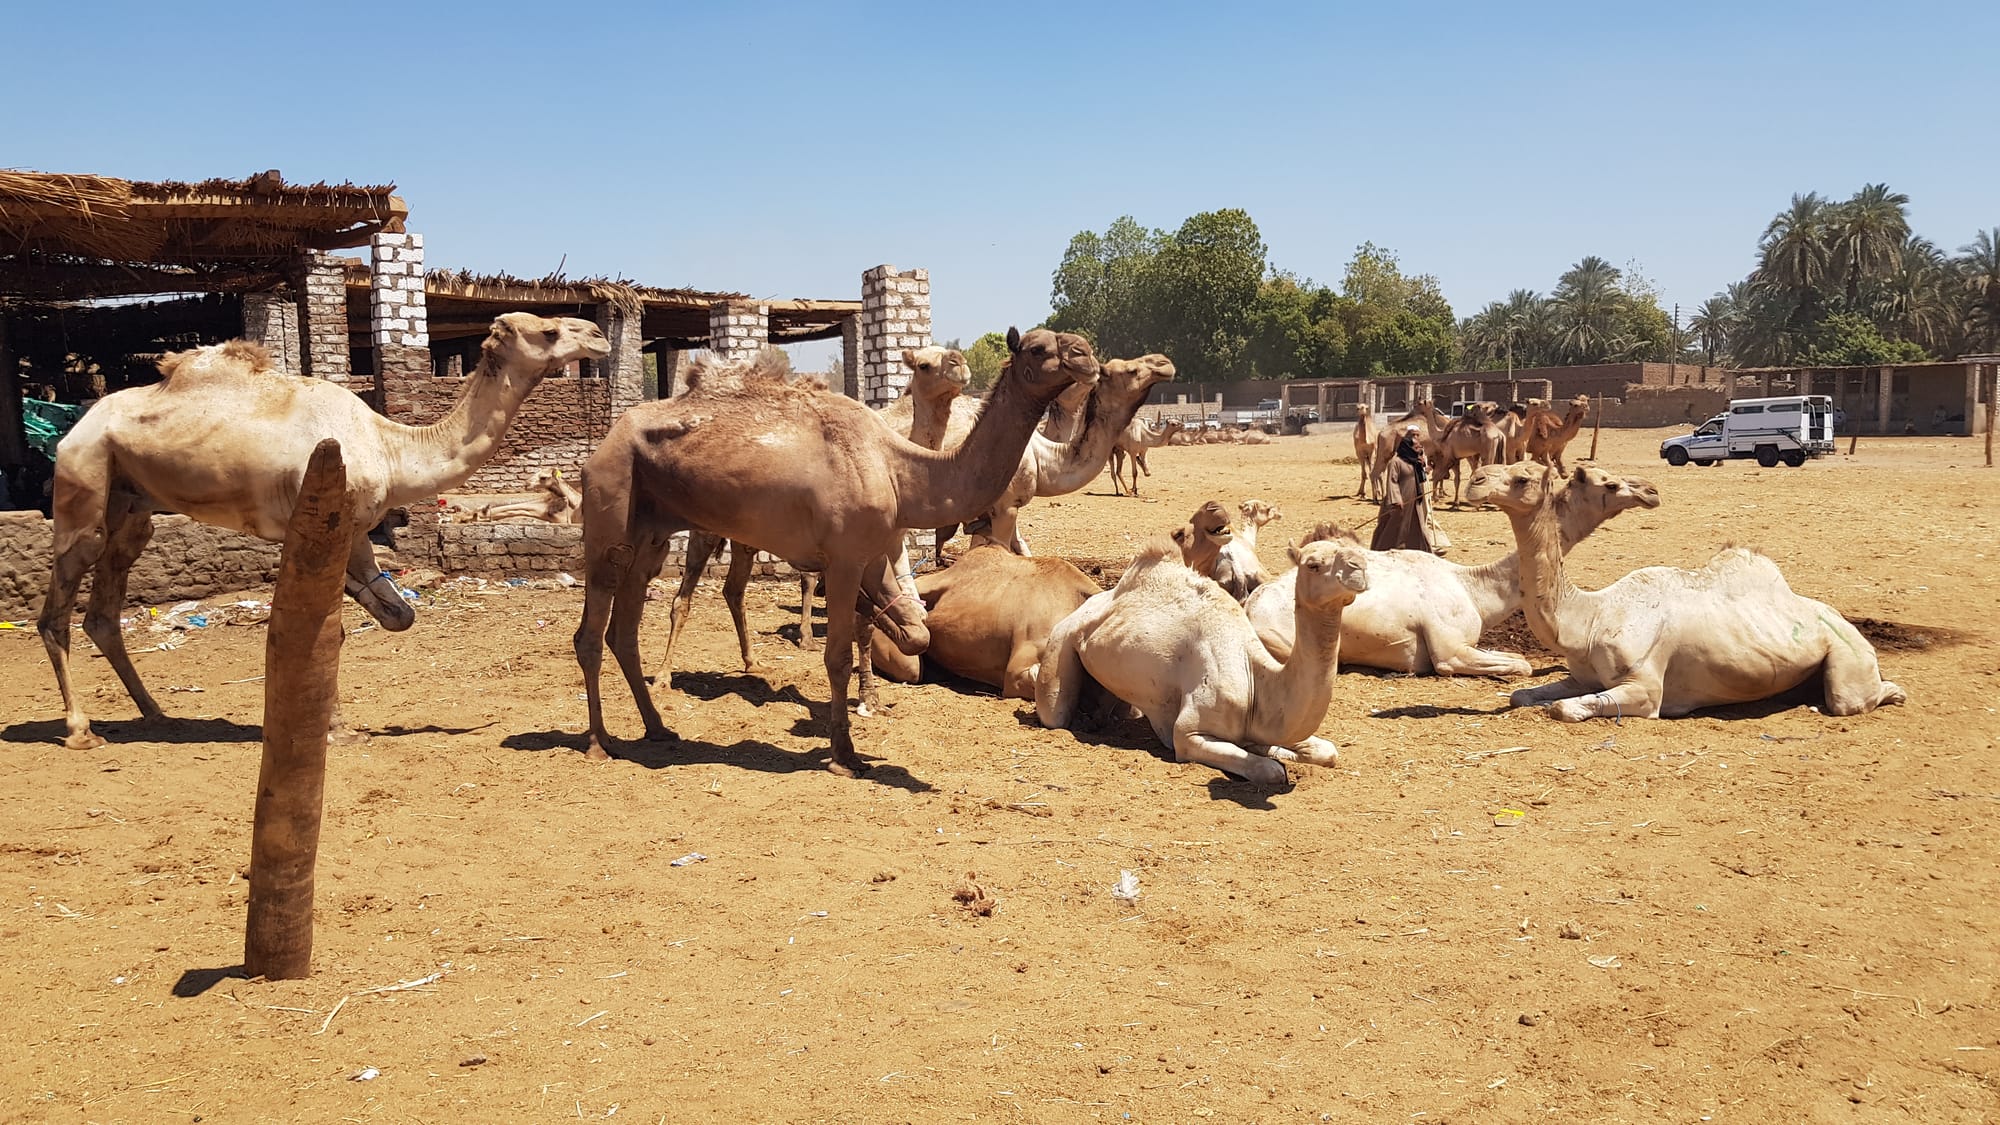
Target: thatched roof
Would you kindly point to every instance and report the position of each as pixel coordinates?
(74, 235)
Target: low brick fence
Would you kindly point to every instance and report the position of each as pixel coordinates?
(185, 560)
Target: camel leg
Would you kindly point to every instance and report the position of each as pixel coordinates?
(79, 543)
(1466, 660)
(864, 662)
(1192, 746)
(700, 546)
(127, 534)
(807, 640)
(628, 606)
(602, 578)
(1007, 530)
(884, 657)
(1313, 749)
(375, 592)
(1061, 678)
(1117, 472)
(1023, 668)
(1629, 700)
(740, 560)
(1565, 688)
(843, 588)
(1854, 683)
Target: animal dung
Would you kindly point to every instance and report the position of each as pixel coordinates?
(973, 897)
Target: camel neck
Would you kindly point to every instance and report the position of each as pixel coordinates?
(1495, 588)
(1066, 466)
(1302, 687)
(929, 416)
(935, 488)
(440, 456)
(1544, 586)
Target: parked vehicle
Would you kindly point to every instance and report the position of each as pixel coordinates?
(1266, 414)
(1789, 428)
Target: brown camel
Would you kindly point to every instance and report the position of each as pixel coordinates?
(1367, 435)
(809, 475)
(225, 439)
(1134, 442)
(988, 614)
(1547, 437)
(922, 413)
(1513, 426)
(1472, 437)
(1052, 468)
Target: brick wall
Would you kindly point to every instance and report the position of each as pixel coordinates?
(185, 560)
(272, 319)
(1663, 405)
(323, 314)
(538, 550)
(558, 426)
(895, 314)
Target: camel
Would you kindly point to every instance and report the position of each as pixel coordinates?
(921, 413)
(1050, 468)
(1367, 435)
(1181, 651)
(989, 614)
(1547, 438)
(554, 500)
(1256, 437)
(1472, 437)
(1421, 416)
(1203, 538)
(1134, 442)
(225, 439)
(1185, 437)
(809, 475)
(1064, 420)
(1236, 567)
(1662, 642)
(1512, 424)
(1423, 615)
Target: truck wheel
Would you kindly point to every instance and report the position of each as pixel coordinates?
(1707, 463)
(1767, 456)
(1795, 457)
(1677, 456)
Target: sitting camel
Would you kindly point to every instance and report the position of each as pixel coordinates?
(1423, 615)
(224, 439)
(1134, 442)
(1050, 468)
(1549, 436)
(1204, 537)
(812, 476)
(1662, 642)
(922, 413)
(1173, 645)
(554, 500)
(989, 614)
(1236, 567)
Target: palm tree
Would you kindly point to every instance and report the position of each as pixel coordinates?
(1793, 252)
(1711, 324)
(1865, 238)
(1915, 303)
(1978, 268)
(1586, 306)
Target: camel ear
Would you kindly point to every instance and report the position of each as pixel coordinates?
(1292, 552)
(502, 328)
(1013, 339)
(910, 358)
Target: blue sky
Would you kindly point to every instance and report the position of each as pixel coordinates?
(781, 149)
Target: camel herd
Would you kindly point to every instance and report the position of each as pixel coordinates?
(1231, 666)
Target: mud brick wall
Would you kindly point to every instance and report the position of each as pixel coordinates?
(1645, 406)
(539, 550)
(185, 560)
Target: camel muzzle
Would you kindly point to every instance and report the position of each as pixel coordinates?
(381, 600)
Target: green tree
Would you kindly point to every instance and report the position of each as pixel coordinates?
(1203, 283)
(1865, 238)
(985, 359)
(1849, 339)
(1978, 269)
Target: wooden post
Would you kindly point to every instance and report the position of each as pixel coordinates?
(301, 667)
(1992, 388)
(1597, 426)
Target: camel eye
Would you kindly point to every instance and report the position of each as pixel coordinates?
(551, 335)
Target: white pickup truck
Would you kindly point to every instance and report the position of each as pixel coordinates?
(1789, 429)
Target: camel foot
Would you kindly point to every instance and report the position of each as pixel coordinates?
(862, 709)
(84, 739)
(753, 667)
(346, 736)
(594, 752)
(854, 768)
(1268, 772)
(1571, 710)
(659, 734)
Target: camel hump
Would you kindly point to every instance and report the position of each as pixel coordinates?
(235, 357)
(1154, 551)
(766, 373)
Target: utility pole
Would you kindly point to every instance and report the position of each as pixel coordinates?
(1674, 348)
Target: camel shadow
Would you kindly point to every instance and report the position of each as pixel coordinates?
(397, 730)
(747, 686)
(1432, 711)
(1137, 734)
(194, 982)
(747, 754)
(170, 730)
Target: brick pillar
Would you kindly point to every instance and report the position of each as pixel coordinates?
(671, 361)
(895, 314)
(738, 329)
(1887, 379)
(625, 368)
(400, 323)
(850, 357)
(272, 319)
(322, 285)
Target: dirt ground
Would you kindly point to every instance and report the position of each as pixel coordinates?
(1777, 915)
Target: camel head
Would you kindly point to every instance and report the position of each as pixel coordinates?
(523, 344)
(941, 373)
(1045, 362)
(1325, 531)
(1257, 513)
(1206, 533)
(1604, 495)
(1520, 487)
(1331, 574)
(1133, 376)
(1578, 407)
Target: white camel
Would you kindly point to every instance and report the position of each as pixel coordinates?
(1237, 568)
(1169, 642)
(1424, 615)
(1134, 442)
(1662, 642)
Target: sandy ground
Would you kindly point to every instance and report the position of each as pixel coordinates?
(1782, 915)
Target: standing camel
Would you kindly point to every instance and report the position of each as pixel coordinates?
(224, 439)
(1547, 437)
(1134, 442)
(809, 475)
(1367, 435)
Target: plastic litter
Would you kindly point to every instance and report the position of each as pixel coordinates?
(691, 857)
(198, 620)
(565, 579)
(1126, 889)
(365, 1074)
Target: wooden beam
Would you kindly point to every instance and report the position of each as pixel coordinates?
(74, 282)
(301, 684)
